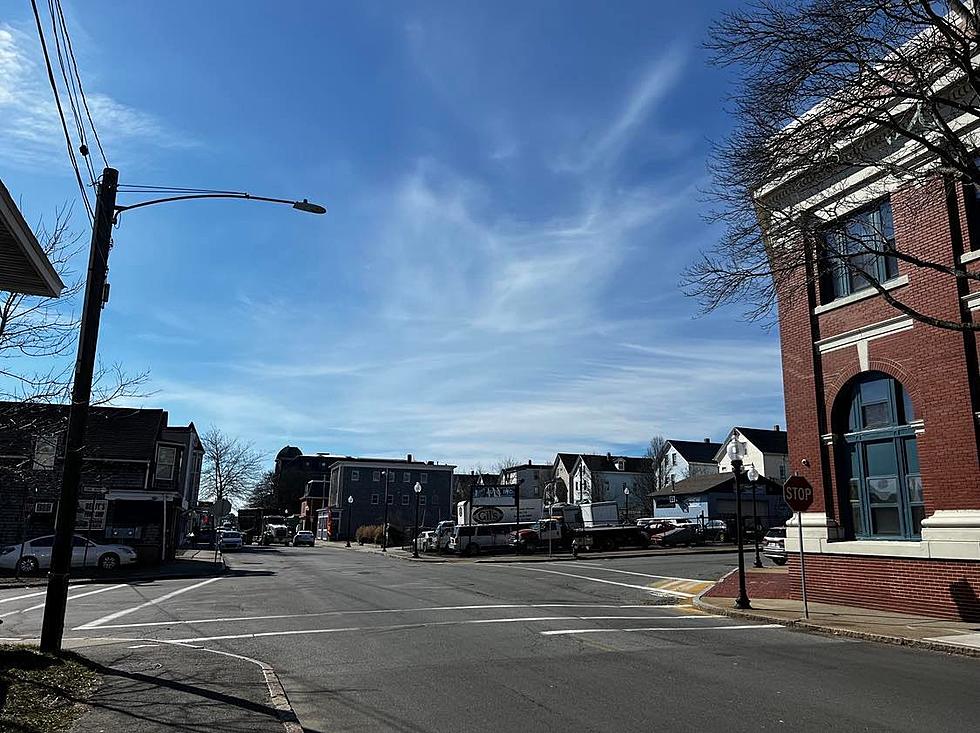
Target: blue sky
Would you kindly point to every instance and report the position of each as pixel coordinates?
(513, 191)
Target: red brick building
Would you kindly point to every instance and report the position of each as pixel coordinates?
(882, 410)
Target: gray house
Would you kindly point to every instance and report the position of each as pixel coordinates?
(374, 482)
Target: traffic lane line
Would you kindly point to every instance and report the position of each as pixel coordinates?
(733, 627)
(153, 602)
(416, 625)
(20, 598)
(372, 611)
(643, 575)
(77, 595)
(648, 589)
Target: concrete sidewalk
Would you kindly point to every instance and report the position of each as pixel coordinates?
(168, 688)
(189, 564)
(768, 593)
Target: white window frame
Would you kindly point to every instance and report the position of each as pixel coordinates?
(160, 464)
(355, 475)
(424, 479)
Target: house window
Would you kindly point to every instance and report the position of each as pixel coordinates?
(166, 458)
(45, 451)
(673, 459)
(355, 475)
(856, 249)
(425, 478)
(782, 471)
(391, 498)
(882, 482)
(375, 499)
(376, 476)
(421, 501)
(406, 477)
(404, 499)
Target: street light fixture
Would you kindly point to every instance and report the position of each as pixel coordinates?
(735, 454)
(753, 475)
(106, 214)
(384, 524)
(350, 510)
(415, 529)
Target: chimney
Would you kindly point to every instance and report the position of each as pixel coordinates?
(707, 440)
(608, 456)
(529, 462)
(409, 457)
(776, 428)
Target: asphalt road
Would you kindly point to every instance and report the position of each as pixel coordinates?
(367, 643)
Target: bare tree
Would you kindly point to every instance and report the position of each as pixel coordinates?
(263, 492)
(827, 92)
(231, 467)
(40, 329)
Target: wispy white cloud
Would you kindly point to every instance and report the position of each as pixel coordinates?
(29, 123)
(612, 136)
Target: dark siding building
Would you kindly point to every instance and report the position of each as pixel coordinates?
(372, 481)
(134, 482)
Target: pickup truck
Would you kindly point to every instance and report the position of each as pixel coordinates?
(538, 535)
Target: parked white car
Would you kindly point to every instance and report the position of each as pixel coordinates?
(35, 555)
(229, 539)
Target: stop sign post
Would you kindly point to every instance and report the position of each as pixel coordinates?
(798, 494)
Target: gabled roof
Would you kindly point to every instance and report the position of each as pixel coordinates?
(767, 441)
(696, 451)
(567, 460)
(607, 462)
(723, 481)
(120, 433)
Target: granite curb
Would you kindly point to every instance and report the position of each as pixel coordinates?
(812, 627)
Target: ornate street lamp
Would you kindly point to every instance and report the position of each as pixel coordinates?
(415, 529)
(350, 510)
(735, 454)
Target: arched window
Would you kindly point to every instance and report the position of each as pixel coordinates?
(880, 461)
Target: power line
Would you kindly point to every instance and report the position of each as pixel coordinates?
(70, 89)
(61, 112)
(81, 91)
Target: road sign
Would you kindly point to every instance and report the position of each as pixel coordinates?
(221, 508)
(798, 493)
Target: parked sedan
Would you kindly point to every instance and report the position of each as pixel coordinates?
(304, 537)
(774, 545)
(229, 539)
(684, 535)
(35, 555)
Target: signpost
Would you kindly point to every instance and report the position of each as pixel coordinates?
(798, 494)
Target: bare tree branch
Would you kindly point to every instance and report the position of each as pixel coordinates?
(828, 89)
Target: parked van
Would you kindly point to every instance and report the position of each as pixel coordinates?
(472, 539)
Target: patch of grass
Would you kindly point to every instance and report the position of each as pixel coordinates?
(42, 693)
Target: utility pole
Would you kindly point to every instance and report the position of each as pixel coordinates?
(56, 599)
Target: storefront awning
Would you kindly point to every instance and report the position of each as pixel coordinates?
(24, 268)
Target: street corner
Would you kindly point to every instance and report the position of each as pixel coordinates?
(178, 687)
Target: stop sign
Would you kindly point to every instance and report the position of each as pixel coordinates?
(798, 493)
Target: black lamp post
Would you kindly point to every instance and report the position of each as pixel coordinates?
(384, 524)
(350, 510)
(626, 492)
(106, 215)
(734, 452)
(415, 529)
(753, 475)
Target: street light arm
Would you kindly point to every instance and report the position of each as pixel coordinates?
(303, 205)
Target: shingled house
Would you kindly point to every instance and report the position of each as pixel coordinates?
(140, 477)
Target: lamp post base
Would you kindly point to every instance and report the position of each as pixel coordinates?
(742, 604)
